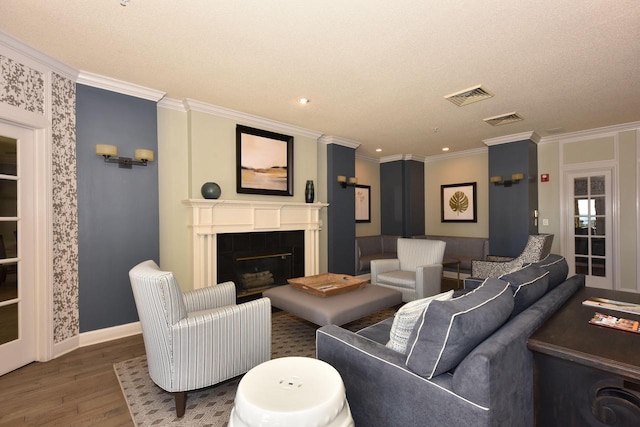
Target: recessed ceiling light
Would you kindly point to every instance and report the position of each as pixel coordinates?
(445, 148)
(378, 150)
(304, 101)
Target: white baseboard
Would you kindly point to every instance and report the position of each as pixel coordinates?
(108, 334)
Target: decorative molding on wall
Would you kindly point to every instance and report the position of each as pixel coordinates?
(524, 136)
(43, 59)
(339, 141)
(119, 86)
(453, 155)
(403, 157)
(172, 104)
(107, 334)
(249, 119)
(591, 133)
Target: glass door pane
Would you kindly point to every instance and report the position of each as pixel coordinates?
(591, 240)
(9, 292)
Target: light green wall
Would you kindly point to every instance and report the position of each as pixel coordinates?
(591, 150)
(628, 184)
(549, 192)
(618, 150)
(368, 173)
(196, 147)
(173, 182)
(456, 170)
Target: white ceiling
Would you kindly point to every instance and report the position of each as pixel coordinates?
(376, 71)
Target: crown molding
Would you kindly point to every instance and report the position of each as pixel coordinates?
(532, 136)
(367, 158)
(324, 139)
(172, 104)
(403, 157)
(193, 105)
(119, 86)
(35, 55)
(591, 133)
(465, 153)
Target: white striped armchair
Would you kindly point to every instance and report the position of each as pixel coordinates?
(199, 338)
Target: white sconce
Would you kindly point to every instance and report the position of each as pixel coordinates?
(343, 181)
(110, 154)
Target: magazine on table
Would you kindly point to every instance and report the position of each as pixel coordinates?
(615, 322)
(626, 307)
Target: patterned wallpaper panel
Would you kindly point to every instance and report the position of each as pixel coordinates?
(21, 86)
(24, 88)
(65, 209)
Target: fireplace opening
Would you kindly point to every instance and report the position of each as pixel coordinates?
(258, 261)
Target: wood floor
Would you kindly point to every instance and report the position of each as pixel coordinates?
(77, 389)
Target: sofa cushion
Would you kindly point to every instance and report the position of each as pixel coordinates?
(405, 319)
(448, 330)
(528, 285)
(399, 278)
(557, 267)
(365, 260)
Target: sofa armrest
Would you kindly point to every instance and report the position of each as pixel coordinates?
(210, 297)
(380, 388)
(428, 280)
(379, 266)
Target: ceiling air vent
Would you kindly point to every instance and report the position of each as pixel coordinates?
(469, 96)
(504, 119)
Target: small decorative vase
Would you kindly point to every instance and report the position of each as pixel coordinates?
(210, 190)
(309, 192)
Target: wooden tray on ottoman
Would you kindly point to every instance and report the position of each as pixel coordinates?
(327, 284)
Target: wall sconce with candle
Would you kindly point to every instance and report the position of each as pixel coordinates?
(110, 154)
(515, 179)
(343, 181)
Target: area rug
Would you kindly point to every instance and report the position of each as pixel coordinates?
(151, 406)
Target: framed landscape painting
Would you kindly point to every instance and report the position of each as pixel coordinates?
(264, 162)
(458, 202)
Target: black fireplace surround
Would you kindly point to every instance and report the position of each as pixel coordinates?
(259, 260)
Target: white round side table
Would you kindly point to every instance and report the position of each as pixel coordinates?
(291, 391)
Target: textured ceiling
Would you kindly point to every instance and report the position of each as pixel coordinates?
(376, 71)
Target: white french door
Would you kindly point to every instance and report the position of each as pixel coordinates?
(589, 225)
(17, 224)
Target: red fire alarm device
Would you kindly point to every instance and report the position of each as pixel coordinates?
(544, 177)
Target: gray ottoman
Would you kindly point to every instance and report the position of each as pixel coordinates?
(333, 310)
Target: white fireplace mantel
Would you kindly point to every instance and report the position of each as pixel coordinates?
(212, 217)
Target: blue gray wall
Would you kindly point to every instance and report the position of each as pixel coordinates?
(341, 215)
(511, 208)
(402, 198)
(117, 208)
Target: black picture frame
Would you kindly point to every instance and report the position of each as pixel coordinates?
(264, 162)
(459, 203)
(363, 203)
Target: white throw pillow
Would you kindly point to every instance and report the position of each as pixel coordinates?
(406, 317)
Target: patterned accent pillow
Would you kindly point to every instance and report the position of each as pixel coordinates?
(528, 285)
(448, 330)
(405, 319)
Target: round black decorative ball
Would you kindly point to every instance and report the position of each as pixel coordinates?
(210, 190)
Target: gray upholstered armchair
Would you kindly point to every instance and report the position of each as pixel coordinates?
(538, 247)
(417, 272)
(199, 338)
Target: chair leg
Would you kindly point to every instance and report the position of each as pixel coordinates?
(181, 403)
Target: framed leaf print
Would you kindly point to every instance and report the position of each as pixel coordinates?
(458, 202)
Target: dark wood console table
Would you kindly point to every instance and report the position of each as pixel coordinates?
(586, 375)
